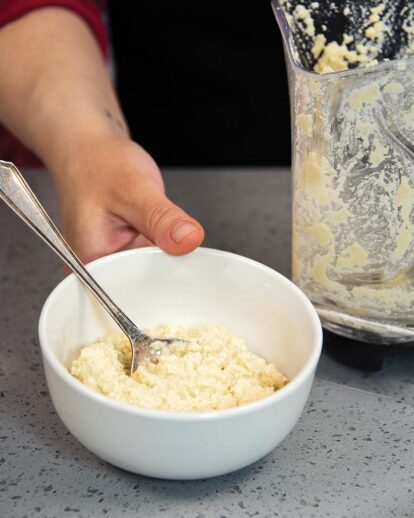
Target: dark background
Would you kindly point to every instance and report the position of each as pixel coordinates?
(203, 83)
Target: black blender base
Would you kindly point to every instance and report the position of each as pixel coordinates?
(358, 355)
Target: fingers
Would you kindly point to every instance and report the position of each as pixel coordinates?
(93, 233)
(141, 201)
(162, 222)
(139, 241)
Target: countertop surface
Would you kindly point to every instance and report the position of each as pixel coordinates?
(350, 455)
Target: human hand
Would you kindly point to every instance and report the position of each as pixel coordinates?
(111, 198)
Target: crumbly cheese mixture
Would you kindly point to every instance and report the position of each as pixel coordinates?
(214, 370)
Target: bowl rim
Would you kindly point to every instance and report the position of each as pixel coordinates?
(167, 415)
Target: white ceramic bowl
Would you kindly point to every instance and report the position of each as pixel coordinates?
(253, 301)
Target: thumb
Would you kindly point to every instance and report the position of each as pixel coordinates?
(163, 223)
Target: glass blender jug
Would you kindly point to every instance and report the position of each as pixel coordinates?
(353, 172)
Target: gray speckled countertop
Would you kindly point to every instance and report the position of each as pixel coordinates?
(351, 453)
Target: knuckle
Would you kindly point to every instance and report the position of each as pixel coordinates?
(159, 213)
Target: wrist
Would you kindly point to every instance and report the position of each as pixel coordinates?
(62, 147)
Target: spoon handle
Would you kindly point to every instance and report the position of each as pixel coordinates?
(16, 193)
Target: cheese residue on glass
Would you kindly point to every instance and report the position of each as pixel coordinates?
(212, 370)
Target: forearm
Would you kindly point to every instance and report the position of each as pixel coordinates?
(55, 93)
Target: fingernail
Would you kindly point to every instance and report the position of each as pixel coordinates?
(181, 230)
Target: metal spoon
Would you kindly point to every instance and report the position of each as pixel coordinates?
(15, 192)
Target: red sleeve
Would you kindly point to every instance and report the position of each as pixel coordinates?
(87, 9)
